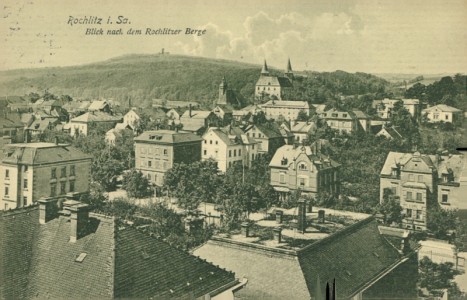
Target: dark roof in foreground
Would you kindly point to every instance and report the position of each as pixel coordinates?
(353, 256)
(38, 261)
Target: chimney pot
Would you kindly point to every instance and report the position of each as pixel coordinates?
(321, 216)
(47, 209)
(78, 219)
(279, 216)
(245, 229)
(277, 234)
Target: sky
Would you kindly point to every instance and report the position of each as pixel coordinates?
(390, 36)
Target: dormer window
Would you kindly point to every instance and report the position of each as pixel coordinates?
(302, 167)
(284, 161)
(445, 177)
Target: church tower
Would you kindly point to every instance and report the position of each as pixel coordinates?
(289, 72)
(264, 70)
(223, 89)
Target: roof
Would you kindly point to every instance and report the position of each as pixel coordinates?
(336, 114)
(226, 108)
(443, 108)
(232, 136)
(392, 131)
(360, 114)
(9, 123)
(268, 80)
(270, 131)
(354, 256)
(290, 153)
(97, 105)
(41, 124)
(455, 163)
(287, 104)
(96, 117)
(303, 127)
(119, 262)
(167, 137)
(41, 153)
(196, 114)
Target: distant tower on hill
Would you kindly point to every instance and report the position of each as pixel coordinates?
(223, 90)
(264, 70)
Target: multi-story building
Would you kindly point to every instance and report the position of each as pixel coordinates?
(228, 146)
(288, 110)
(269, 137)
(305, 169)
(273, 86)
(346, 121)
(421, 181)
(385, 107)
(30, 171)
(197, 121)
(83, 124)
(442, 113)
(157, 151)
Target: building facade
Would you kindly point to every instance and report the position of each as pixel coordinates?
(300, 168)
(421, 181)
(157, 151)
(228, 146)
(442, 113)
(270, 86)
(269, 137)
(31, 171)
(385, 107)
(288, 110)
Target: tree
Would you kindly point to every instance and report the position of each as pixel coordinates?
(402, 119)
(441, 222)
(96, 197)
(390, 208)
(136, 184)
(302, 116)
(106, 167)
(437, 277)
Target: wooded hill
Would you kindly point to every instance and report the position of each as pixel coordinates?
(174, 77)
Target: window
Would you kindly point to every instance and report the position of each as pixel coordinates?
(235, 152)
(240, 152)
(25, 200)
(420, 178)
(166, 152)
(72, 186)
(149, 177)
(7, 174)
(410, 177)
(72, 170)
(302, 167)
(6, 206)
(53, 173)
(25, 184)
(149, 163)
(62, 188)
(143, 150)
(253, 147)
(217, 142)
(282, 178)
(409, 196)
(205, 141)
(301, 181)
(210, 142)
(419, 214)
(205, 152)
(419, 196)
(63, 172)
(230, 153)
(25, 168)
(158, 164)
(53, 190)
(7, 191)
(447, 117)
(409, 213)
(165, 165)
(444, 198)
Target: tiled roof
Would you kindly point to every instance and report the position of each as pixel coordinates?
(196, 114)
(442, 107)
(41, 153)
(232, 136)
(9, 123)
(38, 261)
(336, 114)
(360, 114)
(96, 117)
(97, 105)
(167, 137)
(303, 127)
(270, 131)
(354, 256)
(286, 103)
(290, 153)
(274, 81)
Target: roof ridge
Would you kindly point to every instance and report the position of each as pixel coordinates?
(18, 210)
(347, 230)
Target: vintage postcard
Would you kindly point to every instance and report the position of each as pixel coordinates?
(233, 149)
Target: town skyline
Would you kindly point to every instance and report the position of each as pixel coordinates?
(387, 37)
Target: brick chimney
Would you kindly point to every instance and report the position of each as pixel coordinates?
(279, 216)
(277, 234)
(245, 229)
(321, 216)
(47, 209)
(79, 218)
(301, 215)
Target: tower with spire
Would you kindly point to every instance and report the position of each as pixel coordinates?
(289, 72)
(273, 87)
(223, 89)
(264, 70)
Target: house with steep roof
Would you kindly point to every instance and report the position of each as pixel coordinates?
(346, 121)
(270, 86)
(303, 168)
(99, 105)
(390, 132)
(268, 136)
(174, 115)
(53, 251)
(385, 107)
(226, 94)
(82, 123)
(224, 112)
(366, 261)
(11, 130)
(420, 181)
(287, 110)
(197, 121)
(131, 118)
(228, 146)
(301, 130)
(442, 113)
(157, 151)
(31, 171)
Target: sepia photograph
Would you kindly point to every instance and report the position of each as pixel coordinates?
(233, 150)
